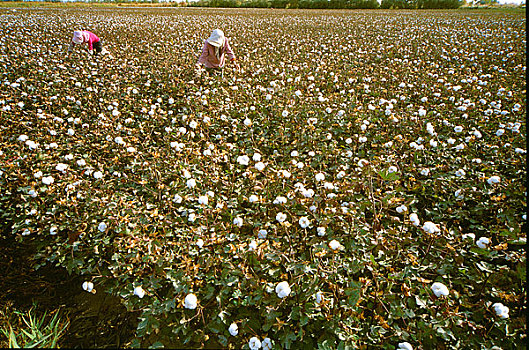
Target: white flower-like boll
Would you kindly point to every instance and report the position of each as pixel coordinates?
(190, 301)
(203, 200)
(304, 222)
(501, 310)
(102, 227)
(139, 292)
(253, 198)
(238, 221)
(200, 243)
(98, 175)
(243, 160)
(191, 183)
(483, 242)
(88, 286)
(267, 344)
(320, 177)
(392, 169)
(47, 180)
(255, 343)
(320, 231)
(260, 166)
(404, 346)
(283, 289)
(430, 227)
(415, 219)
(335, 245)
(458, 128)
(493, 180)
(281, 217)
(440, 289)
(233, 329)
(262, 234)
(401, 209)
(460, 173)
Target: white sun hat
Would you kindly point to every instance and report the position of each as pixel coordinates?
(216, 38)
(77, 37)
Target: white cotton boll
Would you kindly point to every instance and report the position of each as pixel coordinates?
(319, 177)
(248, 122)
(26, 232)
(283, 289)
(191, 183)
(284, 114)
(187, 174)
(304, 222)
(256, 157)
(61, 167)
(281, 217)
(440, 289)
(119, 140)
(200, 243)
(252, 245)
(233, 329)
(477, 134)
(404, 346)
(191, 217)
(460, 173)
(102, 227)
(458, 128)
(268, 97)
(243, 160)
(362, 139)
(493, 180)
(177, 198)
(501, 310)
(22, 138)
(81, 162)
(500, 132)
(253, 198)
(433, 143)
(48, 180)
(33, 193)
(459, 194)
(254, 343)
(392, 169)
(422, 112)
(98, 175)
(349, 141)
(414, 219)
(520, 150)
(468, 235)
(340, 175)
(131, 149)
(260, 166)
(193, 124)
(238, 221)
(335, 245)
(138, 291)
(53, 230)
(203, 200)
(320, 231)
(308, 193)
(483, 242)
(280, 200)
(267, 344)
(262, 234)
(430, 227)
(329, 186)
(88, 286)
(319, 297)
(190, 301)
(451, 141)
(38, 174)
(362, 163)
(294, 153)
(402, 209)
(425, 172)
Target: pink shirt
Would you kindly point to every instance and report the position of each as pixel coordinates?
(88, 37)
(209, 59)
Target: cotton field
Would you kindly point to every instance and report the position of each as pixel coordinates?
(359, 182)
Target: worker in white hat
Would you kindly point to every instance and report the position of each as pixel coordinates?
(214, 52)
(86, 37)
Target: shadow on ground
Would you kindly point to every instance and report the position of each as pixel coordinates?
(96, 320)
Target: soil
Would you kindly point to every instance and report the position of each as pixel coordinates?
(96, 320)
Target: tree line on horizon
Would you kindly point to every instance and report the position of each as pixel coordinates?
(332, 4)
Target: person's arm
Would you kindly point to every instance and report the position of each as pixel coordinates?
(204, 55)
(230, 54)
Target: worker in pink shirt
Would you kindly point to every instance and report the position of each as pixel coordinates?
(84, 36)
(214, 52)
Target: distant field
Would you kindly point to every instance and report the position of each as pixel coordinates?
(361, 157)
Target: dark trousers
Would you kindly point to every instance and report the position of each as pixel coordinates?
(97, 47)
